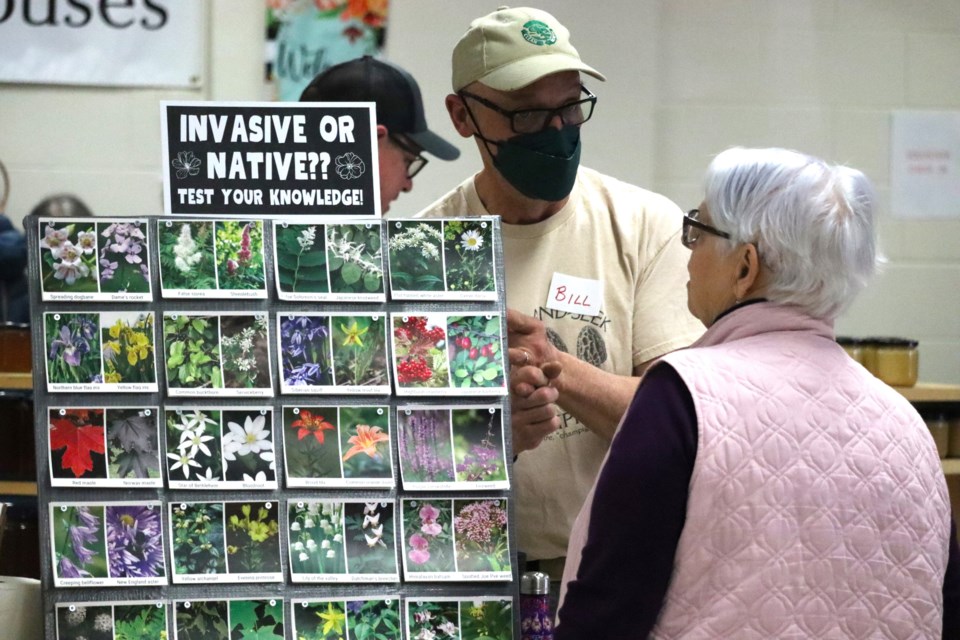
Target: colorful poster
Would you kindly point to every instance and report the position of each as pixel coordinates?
(304, 37)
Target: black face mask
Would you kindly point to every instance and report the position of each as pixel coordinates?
(541, 165)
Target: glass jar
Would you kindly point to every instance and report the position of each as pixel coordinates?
(14, 348)
(940, 430)
(897, 361)
(853, 347)
(868, 349)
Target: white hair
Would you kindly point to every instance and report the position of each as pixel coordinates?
(812, 223)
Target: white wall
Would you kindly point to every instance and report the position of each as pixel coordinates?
(686, 79)
(103, 144)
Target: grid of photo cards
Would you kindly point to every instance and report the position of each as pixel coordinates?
(291, 428)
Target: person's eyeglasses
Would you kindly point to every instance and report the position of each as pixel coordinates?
(417, 163)
(692, 228)
(534, 120)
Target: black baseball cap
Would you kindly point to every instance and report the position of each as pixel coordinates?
(399, 104)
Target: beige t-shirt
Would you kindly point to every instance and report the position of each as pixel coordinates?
(627, 238)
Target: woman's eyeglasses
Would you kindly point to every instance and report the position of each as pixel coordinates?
(692, 228)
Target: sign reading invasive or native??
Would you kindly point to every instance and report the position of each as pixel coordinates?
(270, 159)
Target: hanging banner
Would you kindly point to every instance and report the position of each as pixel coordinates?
(925, 164)
(270, 159)
(305, 37)
(89, 42)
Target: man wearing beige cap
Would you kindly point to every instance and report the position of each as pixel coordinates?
(595, 270)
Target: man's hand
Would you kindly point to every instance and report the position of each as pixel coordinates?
(528, 335)
(532, 401)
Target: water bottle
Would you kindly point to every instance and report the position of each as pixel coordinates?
(536, 618)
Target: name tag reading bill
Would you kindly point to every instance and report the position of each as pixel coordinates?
(576, 295)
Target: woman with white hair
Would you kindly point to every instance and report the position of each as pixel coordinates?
(763, 484)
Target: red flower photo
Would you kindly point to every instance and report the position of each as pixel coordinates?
(77, 443)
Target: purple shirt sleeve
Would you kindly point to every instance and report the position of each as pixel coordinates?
(639, 508)
(951, 589)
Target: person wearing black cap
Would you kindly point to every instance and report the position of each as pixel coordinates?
(402, 134)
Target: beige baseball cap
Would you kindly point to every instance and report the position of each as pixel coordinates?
(511, 48)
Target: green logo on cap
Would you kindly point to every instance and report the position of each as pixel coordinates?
(538, 33)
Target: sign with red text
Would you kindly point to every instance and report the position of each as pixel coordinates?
(270, 159)
(925, 164)
(576, 295)
(154, 43)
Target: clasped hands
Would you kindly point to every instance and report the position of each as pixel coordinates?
(534, 372)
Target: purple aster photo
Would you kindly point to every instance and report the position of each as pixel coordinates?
(134, 541)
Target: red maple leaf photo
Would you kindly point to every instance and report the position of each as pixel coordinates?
(79, 440)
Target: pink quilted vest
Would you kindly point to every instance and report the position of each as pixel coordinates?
(817, 505)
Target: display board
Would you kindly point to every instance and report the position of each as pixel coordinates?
(266, 159)
(284, 428)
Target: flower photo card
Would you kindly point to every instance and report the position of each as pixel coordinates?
(451, 448)
(225, 542)
(338, 446)
(128, 345)
(220, 448)
(102, 260)
(338, 353)
(112, 544)
(104, 447)
(481, 539)
(111, 620)
(329, 262)
(448, 259)
(211, 259)
(100, 352)
(217, 354)
(428, 552)
(448, 354)
(306, 354)
(342, 542)
(487, 617)
(460, 540)
(231, 619)
(370, 616)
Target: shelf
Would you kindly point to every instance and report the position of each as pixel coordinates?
(16, 380)
(16, 488)
(951, 466)
(929, 392)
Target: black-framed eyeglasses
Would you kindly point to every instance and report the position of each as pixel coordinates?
(417, 163)
(534, 120)
(692, 228)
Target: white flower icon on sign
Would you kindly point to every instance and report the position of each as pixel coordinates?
(349, 166)
(186, 164)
